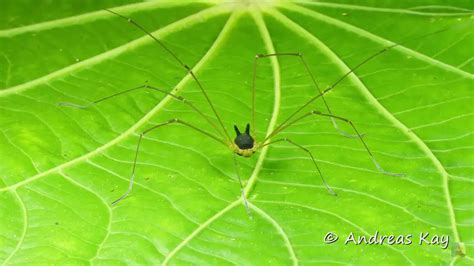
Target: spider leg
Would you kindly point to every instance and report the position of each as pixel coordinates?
(74, 105)
(351, 70)
(303, 62)
(244, 198)
(368, 59)
(310, 155)
(146, 86)
(372, 157)
(186, 67)
(169, 122)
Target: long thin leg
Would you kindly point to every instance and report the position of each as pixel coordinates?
(310, 155)
(186, 67)
(244, 198)
(146, 86)
(385, 49)
(313, 79)
(130, 185)
(372, 157)
(363, 62)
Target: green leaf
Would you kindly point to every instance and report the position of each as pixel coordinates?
(62, 167)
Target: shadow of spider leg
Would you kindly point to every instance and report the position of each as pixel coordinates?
(244, 198)
(146, 86)
(372, 157)
(315, 83)
(169, 122)
(176, 97)
(310, 155)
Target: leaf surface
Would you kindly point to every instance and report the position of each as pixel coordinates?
(62, 167)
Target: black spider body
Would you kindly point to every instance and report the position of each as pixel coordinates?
(244, 142)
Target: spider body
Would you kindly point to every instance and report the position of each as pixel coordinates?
(244, 144)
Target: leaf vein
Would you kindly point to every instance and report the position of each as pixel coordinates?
(142, 121)
(198, 17)
(25, 227)
(378, 39)
(370, 97)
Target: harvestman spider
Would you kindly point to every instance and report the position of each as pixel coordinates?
(244, 143)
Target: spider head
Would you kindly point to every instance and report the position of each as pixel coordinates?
(244, 142)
